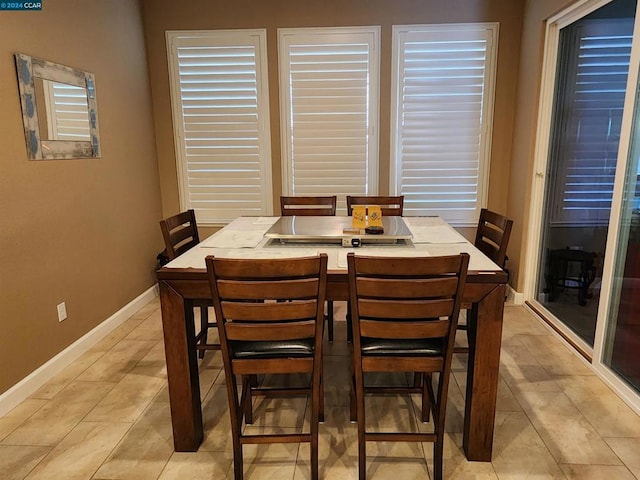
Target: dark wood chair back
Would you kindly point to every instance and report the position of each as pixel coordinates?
(180, 233)
(391, 206)
(492, 239)
(405, 312)
(270, 321)
(492, 236)
(321, 206)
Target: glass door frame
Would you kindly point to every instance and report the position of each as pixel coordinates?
(593, 356)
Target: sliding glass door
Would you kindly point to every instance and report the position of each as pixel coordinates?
(585, 255)
(590, 85)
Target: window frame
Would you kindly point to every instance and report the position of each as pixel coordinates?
(486, 125)
(289, 36)
(257, 38)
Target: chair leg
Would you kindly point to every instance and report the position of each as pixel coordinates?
(317, 415)
(245, 401)
(204, 327)
(235, 414)
(314, 455)
(439, 403)
(362, 443)
(426, 397)
(353, 417)
(417, 379)
(330, 319)
(349, 327)
(438, 451)
(321, 406)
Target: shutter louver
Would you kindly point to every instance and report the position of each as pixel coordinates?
(330, 113)
(226, 170)
(443, 113)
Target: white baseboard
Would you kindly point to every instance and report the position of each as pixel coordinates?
(513, 297)
(30, 384)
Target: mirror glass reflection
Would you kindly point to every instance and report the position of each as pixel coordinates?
(63, 111)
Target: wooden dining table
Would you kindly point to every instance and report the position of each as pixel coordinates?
(185, 279)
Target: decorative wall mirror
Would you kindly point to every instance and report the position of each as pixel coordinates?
(59, 110)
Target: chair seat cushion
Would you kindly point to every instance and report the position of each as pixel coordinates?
(274, 349)
(418, 347)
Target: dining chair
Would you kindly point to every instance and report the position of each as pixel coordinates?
(391, 206)
(180, 233)
(321, 206)
(270, 320)
(492, 239)
(312, 206)
(404, 312)
(492, 236)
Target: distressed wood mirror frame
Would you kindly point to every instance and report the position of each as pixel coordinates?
(39, 146)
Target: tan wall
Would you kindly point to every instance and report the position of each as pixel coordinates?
(524, 135)
(162, 15)
(80, 231)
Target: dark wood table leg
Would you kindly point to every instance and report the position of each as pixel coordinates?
(485, 336)
(182, 369)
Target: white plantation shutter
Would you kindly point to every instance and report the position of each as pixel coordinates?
(221, 122)
(329, 111)
(442, 102)
(67, 111)
(592, 99)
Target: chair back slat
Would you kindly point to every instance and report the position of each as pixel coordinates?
(492, 236)
(408, 330)
(490, 250)
(403, 364)
(409, 267)
(254, 332)
(307, 206)
(186, 217)
(180, 249)
(494, 218)
(391, 206)
(491, 233)
(411, 288)
(180, 233)
(268, 289)
(265, 312)
(397, 308)
(265, 269)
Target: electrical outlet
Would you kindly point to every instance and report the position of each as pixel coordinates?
(62, 311)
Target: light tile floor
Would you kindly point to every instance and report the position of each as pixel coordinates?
(106, 417)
